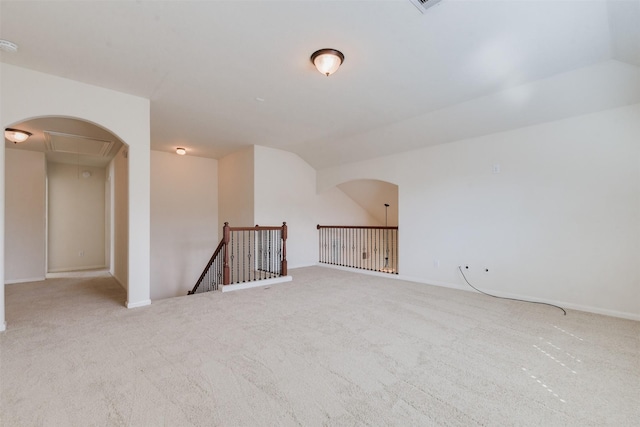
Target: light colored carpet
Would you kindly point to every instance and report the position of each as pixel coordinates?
(329, 348)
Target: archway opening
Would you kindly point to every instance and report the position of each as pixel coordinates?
(66, 201)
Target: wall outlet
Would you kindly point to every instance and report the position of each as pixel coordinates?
(436, 263)
(81, 253)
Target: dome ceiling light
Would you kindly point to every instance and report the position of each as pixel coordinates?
(7, 46)
(327, 61)
(16, 135)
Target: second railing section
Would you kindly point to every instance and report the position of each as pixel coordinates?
(372, 248)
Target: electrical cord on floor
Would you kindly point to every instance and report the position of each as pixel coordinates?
(512, 299)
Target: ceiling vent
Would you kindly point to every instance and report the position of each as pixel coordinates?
(423, 5)
(76, 144)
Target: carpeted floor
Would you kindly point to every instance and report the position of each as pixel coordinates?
(329, 348)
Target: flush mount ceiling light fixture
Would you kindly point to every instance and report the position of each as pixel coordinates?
(7, 46)
(181, 151)
(423, 5)
(327, 61)
(16, 135)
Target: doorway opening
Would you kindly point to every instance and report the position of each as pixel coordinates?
(76, 202)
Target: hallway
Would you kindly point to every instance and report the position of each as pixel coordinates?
(62, 301)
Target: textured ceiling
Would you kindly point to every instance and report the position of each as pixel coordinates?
(462, 69)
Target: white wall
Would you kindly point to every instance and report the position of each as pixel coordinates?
(29, 94)
(184, 221)
(285, 190)
(24, 234)
(235, 189)
(108, 216)
(559, 223)
(119, 177)
(76, 220)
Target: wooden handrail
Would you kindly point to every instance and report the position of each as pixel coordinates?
(256, 228)
(374, 227)
(224, 247)
(283, 266)
(226, 270)
(204, 272)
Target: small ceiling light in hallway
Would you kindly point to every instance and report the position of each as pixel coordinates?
(181, 151)
(327, 61)
(8, 46)
(16, 135)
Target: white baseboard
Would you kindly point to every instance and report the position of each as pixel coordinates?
(119, 282)
(138, 304)
(563, 304)
(603, 311)
(578, 307)
(293, 267)
(79, 274)
(88, 267)
(360, 270)
(31, 279)
(256, 284)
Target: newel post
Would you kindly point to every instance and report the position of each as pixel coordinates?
(284, 249)
(226, 236)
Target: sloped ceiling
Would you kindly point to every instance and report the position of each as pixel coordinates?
(464, 68)
(624, 24)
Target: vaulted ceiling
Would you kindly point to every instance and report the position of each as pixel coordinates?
(222, 75)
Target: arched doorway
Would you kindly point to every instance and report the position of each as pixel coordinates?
(72, 214)
(30, 94)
